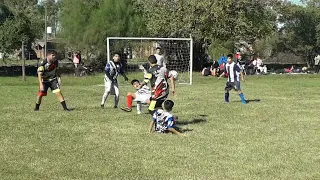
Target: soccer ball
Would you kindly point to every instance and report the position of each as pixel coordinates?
(173, 74)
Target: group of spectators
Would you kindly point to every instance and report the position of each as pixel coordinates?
(253, 65)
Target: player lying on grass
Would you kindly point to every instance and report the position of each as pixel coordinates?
(112, 70)
(163, 121)
(142, 96)
(233, 82)
(48, 78)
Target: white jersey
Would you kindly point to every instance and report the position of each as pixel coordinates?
(160, 60)
(144, 90)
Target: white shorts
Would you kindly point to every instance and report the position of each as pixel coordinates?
(142, 98)
(110, 86)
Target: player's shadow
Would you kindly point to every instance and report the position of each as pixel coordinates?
(194, 121)
(250, 100)
(181, 130)
(253, 100)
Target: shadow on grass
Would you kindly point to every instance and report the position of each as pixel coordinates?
(249, 100)
(181, 130)
(194, 121)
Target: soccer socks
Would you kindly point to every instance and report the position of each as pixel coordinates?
(242, 98)
(64, 105)
(129, 101)
(139, 108)
(226, 97)
(37, 107)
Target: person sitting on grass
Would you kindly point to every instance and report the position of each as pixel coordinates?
(142, 96)
(163, 121)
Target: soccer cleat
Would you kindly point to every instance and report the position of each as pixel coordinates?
(115, 107)
(36, 109)
(138, 112)
(67, 109)
(126, 109)
(102, 106)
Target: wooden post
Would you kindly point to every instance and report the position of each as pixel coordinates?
(23, 62)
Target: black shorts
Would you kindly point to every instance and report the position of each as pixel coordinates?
(156, 104)
(232, 85)
(53, 85)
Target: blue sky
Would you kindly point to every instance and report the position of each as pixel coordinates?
(295, 1)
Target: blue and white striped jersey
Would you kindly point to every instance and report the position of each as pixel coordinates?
(233, 71)
(163, 121)
(113, 69)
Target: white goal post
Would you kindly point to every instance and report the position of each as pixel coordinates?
(177, 53)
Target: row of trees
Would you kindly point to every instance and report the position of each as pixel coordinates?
(271, 26)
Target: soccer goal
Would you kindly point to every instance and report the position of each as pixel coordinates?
(176, 52)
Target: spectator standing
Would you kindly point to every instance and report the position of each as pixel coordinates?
(317, 63)
(77, 62)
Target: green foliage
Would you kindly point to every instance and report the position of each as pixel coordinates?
(218, 48)
(301, 30)
(224, 20)
(86, 25)
(22, 22)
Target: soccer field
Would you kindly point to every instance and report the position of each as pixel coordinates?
(276, 138)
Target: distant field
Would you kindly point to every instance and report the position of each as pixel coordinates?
(276, 138)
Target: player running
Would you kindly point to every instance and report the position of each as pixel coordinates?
(48, 78)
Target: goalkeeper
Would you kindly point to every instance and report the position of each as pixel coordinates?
(157, 76)
(172, 75)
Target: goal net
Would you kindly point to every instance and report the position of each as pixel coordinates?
(176, 52)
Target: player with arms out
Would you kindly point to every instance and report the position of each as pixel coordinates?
(157, 76)
(234, 72)
(163, 121)
(142, 96)
(112, 70)
(48, 78)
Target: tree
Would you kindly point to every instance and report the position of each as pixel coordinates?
(86, 24)
(224, 20)
(300, 34)
(22, 23)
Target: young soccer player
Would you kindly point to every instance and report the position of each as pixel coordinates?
(159, 57)
(142, 96)
(163, 121)
(48, 78)
(112, 70)
(157, 76)
(173, 76)
(233, 82)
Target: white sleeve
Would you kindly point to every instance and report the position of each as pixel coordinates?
(163, 62)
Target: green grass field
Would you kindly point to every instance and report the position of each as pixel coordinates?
(276, 138)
